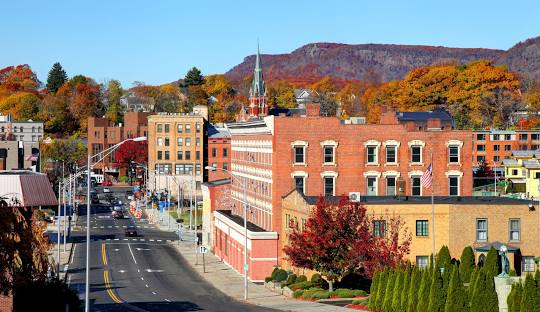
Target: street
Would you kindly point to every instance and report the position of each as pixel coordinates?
(143, 273)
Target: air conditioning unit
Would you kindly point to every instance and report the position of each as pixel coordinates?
(354, 197)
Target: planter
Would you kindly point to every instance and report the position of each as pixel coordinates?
(286, 291)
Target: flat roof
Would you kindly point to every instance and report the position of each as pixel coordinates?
(240, 221)
(426, 200)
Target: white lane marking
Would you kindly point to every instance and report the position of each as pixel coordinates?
(134, 239)
(116, 249)
(131, 251)
(109, 227)
(159, 240)
(126, 239)
(167, 300)
(108, 239)
(124, 226)
(116, 226)
(143, 249)
(73, 252)
(122, 271)
(142, 278)
(139, 271)
(95, 227)
(146, 285)
(154, 293)
(151, 240)
(116, 239)
(153, 271)
(69, 280)
(102, 227)
(142, 239)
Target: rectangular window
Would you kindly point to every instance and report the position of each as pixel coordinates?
(197, 141)
(328, 186)
(299, 183)
(416, 154)
(514, 172)
(422, 228)
(198, 127)
(453, 154)
(197, 155)
(422, 262)
(371, 154)
(496, 137)
(160, 141)
(188, 141)
(179, 141)
(287, 220)
(391, 154)
(179, 155)
(167, 155)
(189, 169)
(179, 168)
(328, 154)
(515, 229)
(299, 154)
(416, 186)
(528, 264)
(507, 137)
(481, 147)
(167, 141)
(188, 155)
(167, 128)
(496, 158)
(508, 148)
(523, 147)
(481, 230)
(481, 137)
(188, 128)
(379, 228)
(214, 152)
(480, 159)
(535, 136)
(496, 147)
(198, 169)
(159, 155)
(225, 166)
(390, 186)
(523, 136)
(159, 128)
(180, 128)
(453, 183)
(371, 186)
(225, 152)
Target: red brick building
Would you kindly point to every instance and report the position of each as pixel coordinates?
(103, 133)
(219, 152)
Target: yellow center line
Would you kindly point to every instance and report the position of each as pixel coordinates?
(111, 293)
(103, 254)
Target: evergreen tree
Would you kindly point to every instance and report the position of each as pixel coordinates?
(484, 298)
(388, 294)
(381, 289)
(436, 294)
(373, 290)
(56, 78)
(527, 297)
(466, 264)
(517, 298)
(537, 296)
(510, 300)
(396, 293)
(456, 300)
(115, 110)
(423, 294)
(405, 291)
(416, 280)
(193, 77)
(472, 282)
(491, 265)
(443, 258)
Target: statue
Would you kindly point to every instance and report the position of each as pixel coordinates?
(505, 264)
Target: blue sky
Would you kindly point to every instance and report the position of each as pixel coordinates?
(158, 41)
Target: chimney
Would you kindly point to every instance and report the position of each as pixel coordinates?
(313, 109)
(388, 117)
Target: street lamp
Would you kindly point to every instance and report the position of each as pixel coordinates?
(105, 153)
(211, 168)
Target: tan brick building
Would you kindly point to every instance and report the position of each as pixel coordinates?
(103, 133)
(176, 148)
(459, 222)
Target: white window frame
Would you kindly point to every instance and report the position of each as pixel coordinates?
(377, 145)
(527, 267)
(299, 174)
(372, 174)
(510, 230)
(477, 230)
(296, 144)
(395, 185)
(333, 145)
(421, 144)
(395, 144)
(459, 145)
(329, 174)
(422, 264)
(416, 176)
(457, 174)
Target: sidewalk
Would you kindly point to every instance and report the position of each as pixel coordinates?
(224, 278)
(65, 257)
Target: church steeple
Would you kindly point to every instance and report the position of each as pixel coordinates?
(257, 92)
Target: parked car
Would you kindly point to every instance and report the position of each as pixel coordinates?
(118, 214)
(106, 190)
(117, 208)
(129, 195)
(131, 231)
(106, 183)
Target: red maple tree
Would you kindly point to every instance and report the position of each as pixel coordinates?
(339, 239)
(130, 153)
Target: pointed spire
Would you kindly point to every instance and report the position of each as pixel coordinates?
(257, 87)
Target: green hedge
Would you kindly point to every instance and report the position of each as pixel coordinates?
(362, 301)
(298, 293)
(301, 285)
(280, 275)
(301, 278)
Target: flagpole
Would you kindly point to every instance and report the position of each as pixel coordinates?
(432, 208)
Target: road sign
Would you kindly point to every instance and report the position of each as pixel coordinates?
(203, 249)
(136, 188)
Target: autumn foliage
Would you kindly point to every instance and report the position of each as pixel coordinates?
(131, 151)
(338, 239)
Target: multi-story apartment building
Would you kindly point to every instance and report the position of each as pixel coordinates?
(492, 146)
(176, 148)
(134, 103)
(522, 174)
(103, 133)
(19, 143)
(482, 222)
(219, 152)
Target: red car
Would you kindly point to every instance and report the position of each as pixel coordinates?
(106, 183)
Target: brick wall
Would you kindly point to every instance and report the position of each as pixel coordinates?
(222, 158)
(6, 303)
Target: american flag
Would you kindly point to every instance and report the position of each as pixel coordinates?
(33, 157)
(427, 177)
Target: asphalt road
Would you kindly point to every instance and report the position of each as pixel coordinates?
(143, 273)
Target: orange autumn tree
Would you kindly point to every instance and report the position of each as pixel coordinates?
(478, 94)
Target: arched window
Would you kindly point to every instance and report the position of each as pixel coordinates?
(481, 260)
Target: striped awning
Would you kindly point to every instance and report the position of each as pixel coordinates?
(28, 189)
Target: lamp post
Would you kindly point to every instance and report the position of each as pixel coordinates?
(211, 168)
(105, 153)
